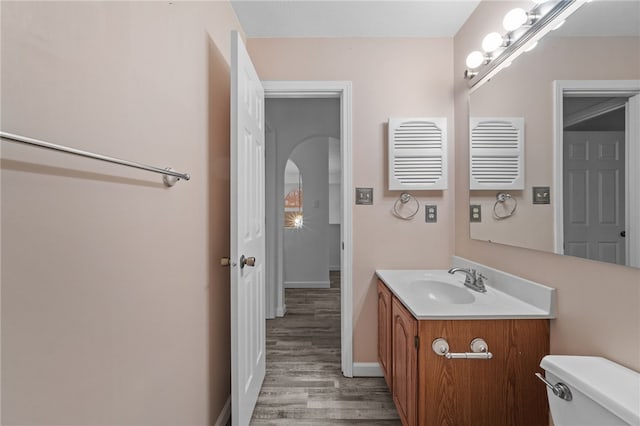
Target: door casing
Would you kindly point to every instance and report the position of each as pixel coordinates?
(605, 88)
(275, 288)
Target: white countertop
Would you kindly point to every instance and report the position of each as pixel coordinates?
(494, 304)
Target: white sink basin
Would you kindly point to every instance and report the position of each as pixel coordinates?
(436, 294)
(441, 291)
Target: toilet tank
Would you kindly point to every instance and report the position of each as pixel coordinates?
(603, 393)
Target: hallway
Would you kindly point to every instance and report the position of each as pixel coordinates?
(304, 384)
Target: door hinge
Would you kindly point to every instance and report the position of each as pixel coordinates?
(416, 342)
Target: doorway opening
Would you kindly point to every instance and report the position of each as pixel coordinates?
(597, 153)
(309, 244)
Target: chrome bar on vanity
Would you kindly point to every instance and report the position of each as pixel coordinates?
(166, 172)
(478, 346)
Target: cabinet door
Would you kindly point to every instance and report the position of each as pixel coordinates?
(502, 391)
(404, 363)
(384, 331)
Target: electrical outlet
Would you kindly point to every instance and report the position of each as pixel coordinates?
(475, 213)
(364, 196)
(541, 195)
(431, 213)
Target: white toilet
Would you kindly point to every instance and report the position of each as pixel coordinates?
(603, 393)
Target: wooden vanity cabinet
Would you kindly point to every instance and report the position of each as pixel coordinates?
(384, 331)
(431, 390)
(404, 362)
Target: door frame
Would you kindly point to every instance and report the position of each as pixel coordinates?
(604, 88)
(340, 90)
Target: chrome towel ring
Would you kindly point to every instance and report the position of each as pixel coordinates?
(404, 199)
(508, 208)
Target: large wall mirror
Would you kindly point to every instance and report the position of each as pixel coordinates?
(574, 104)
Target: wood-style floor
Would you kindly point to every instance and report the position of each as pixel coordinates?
(304, 384)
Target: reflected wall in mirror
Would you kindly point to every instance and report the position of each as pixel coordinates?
(574, 91)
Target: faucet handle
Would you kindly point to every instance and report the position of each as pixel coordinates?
(480, 278)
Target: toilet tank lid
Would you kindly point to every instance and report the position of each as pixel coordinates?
(611, 385)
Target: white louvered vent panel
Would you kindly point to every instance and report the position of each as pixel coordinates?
(425, 171)
(417, 153)
(497, 153)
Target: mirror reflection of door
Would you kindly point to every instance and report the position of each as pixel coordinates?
(293, 214)
(594, 178)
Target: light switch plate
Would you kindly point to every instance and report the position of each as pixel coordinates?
(364, 196)
(430, 213)
(475, 213)
(541, 195)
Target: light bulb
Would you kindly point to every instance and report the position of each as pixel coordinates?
(559, 25)
(491, 42)
(475, 59)
(514, 19)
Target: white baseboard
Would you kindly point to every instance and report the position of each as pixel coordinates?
(281, 310)
(367, 369)
(307, 284)
(335, 268)
(225, 414)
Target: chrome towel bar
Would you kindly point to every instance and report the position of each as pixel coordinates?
(479, 350)
(169, 176)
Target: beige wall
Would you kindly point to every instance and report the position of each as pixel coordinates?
(391, 78)
(598, 304)
(556, 58)
(113, 308)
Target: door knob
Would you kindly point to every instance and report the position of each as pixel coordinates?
(248, 261)
(623, 234)
(225, 261)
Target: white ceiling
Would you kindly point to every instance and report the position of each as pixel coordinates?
(354, 18)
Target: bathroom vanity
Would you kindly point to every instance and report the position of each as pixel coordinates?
(436, 375)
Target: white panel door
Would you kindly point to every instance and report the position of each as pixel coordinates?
(594, 195)
(247, 234)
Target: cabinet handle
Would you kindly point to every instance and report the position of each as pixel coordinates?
(478, 346)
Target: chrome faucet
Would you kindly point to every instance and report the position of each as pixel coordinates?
(474, 280)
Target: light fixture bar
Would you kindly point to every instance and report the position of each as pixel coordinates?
(565, 7)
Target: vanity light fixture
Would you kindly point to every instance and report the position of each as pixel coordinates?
(475, 59)
(524, 29)
(517, 18)
(532, 46)
(468, 74)
(493, 41)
